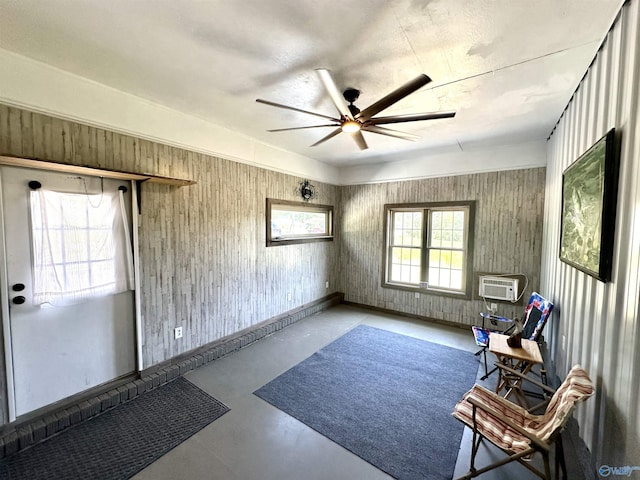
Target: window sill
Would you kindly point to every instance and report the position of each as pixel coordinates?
(276, 242)
(428, 291)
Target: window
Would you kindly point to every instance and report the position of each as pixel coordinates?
(429, 247)
(298, 222)
(81, 246)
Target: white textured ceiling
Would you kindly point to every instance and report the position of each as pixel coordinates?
(507, 67)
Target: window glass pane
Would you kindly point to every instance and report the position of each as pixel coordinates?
(445, 259)
(396, 255)
(457, 259)
(446, 239)
(458, 220)
(415, 275)
(417, 238)
(434, 277)
(447, 220)
(288, 223)
(458, 239)
(445, 278)
(395, 272)
(456, 279)
(436, 238)
(405, 266)
(405, 275)
(436, 220)
(417, 220)
(434, 257)
(415, 257)
(297, 222)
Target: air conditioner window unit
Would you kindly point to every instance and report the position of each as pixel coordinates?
(498, 288)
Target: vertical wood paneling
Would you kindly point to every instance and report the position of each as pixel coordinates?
(508, 237)
(600, 321)
(204, 263)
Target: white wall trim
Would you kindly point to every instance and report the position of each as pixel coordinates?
(28, 84)
(32, 85)
(479, 160)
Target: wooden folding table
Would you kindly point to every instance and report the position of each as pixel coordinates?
(522, 359)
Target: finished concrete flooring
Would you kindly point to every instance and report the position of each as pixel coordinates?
(256, 441)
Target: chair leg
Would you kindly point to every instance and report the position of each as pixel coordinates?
(560, 458)
(547, 470)
(487, 372)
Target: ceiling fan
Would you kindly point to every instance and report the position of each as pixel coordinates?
(355, 121)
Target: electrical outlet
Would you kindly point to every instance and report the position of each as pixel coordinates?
(564, 342)
(417, 295)
(326, 284)
(177, 332)
(494, 307)
(289, 296)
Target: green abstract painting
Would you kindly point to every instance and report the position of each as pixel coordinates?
(586, 209)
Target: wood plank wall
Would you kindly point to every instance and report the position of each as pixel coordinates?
(597, 324)
(508, 237)
(204, 263)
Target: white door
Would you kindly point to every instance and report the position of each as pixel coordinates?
(58, 351)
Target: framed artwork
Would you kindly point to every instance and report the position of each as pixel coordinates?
(589, 196)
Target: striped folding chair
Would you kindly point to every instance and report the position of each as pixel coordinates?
(518, 432)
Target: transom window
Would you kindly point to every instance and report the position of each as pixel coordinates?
(298, 222)
(429, 247)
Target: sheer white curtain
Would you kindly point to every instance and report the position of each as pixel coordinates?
(81, 246)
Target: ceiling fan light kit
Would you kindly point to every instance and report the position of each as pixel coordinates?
(354, 121)
(350, 126)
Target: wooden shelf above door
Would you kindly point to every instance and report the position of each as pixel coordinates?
(96, 172)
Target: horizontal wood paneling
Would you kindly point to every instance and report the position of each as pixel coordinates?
(508, 237)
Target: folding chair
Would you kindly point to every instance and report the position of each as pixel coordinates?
(518, 432)
(534, 318)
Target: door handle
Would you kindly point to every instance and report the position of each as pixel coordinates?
(19, 300)
(18, 287)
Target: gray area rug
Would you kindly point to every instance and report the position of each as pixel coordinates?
(120, 442)
(385, 397)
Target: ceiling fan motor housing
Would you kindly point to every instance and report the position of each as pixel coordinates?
(351, 95)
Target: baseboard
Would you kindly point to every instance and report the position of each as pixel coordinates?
(407, 315)
(51, 420)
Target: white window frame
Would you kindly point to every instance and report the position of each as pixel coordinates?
(425, 209)
(276, 239)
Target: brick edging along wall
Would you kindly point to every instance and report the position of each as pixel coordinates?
(24, 434)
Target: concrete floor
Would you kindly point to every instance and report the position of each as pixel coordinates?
(256, 441)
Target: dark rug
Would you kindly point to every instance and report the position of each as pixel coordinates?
(120, 442)
(386, 397)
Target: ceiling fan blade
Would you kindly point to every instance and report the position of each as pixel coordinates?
(331, 135)
(390, 133)
(398, 94)
(359, 138)
(334, 93)
(303, 128)
(416, 117)
(286, 107)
